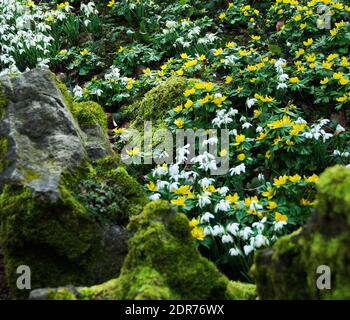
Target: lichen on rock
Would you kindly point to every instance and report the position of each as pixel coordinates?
(289, 269)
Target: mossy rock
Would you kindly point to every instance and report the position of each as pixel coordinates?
(289, 269)
(164, 263)
(157, 103)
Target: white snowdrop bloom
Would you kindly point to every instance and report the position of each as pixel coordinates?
(233, 228)
(300, 120)
(261, 177)
(170, 24)
(173, 186)
(245, 233)
(226, 238)
(282, 85)
(243, 119)
(206, 182)
(78, 91)
(259, 129)
(279, 64)
(208, 231)
(162, 184)
(113, 74)
(160, 171)
(234, 252)
(283, 77)
(88, 9)
(211, 141)
(277, 226)
(205, 218)
(255, 206)
(232, 112)
(186, 44)
(345, 154)
(204, 199)
(154, 197)
(336, 153)
(251, 102)
(218, 230)
(324, 122)
(174, 171)
(339, 129)
(223, 190)
(223, 205)
(259, 226)
(260, 241)
(246, 125)
(189, 175)
(97, 92)
(233, 132)
(182, 154)
(248, 249)
(238, 169)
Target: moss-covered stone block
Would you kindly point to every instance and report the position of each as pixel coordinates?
(164, 263)
(289, 269)
(157, 103)
(90, 113)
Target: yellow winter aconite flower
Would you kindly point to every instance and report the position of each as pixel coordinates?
(111, 3)
(338, 75)
(344, 81)
(257, 113)
(297, 128)
(309, 42)
(294, 80)
(324, 80)
(232, 198)
(30, 4)
(222, 16)
(272, 205)
(228, 79)
(296, 178)
(210, 189)
(184, 56)
(189, 92)
(198, 233)
(269, 193)
(188, 104)
(209, 86)
(250, 200)
(184, 190)
(152, 187)
(180, 202)
(305, 202)
(300, 52)
(261, 136)
(290, 142)
(280, 181)
(230, 45)
(179, 123)
(133, 152)
(85, 52)
(312, 179)
(218, 52)
(256, 38)
(281, 217)
(240, 138)
(241, 157)
(219, 100)
(178, 109)
(194, 222)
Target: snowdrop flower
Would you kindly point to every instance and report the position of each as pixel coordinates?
(277, 226)
(259, 225)
(260, 241)
(246, 125)
(182, 154)
(154, 197)
(160, 171)
(279, 64)
(174, 171)
(204, 199)
(339, 129)
(233, 228)
(232, 112)
(206, 182)
(211, 141)
(238, 169)
(283, 77)
(261, 177)
(206, 217)
(223, 205)
(234, 252)
(78, 91)
(248, 249)
(245, 233)
(223, 190)
(282, 85)
(227, 239)
(251, 102)
(162, 184)
(336, 153)
(233, 132)
(218, 230)
(173, 186)
(259, 129)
